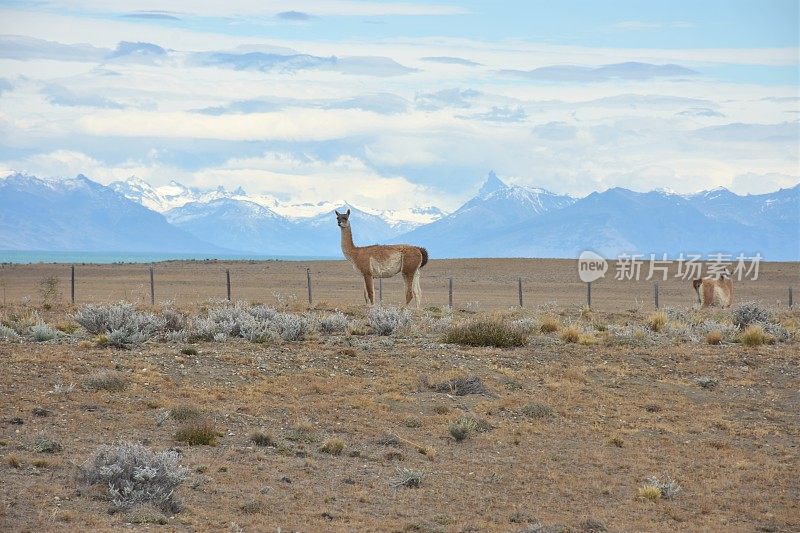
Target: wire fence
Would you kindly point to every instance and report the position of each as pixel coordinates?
(463, 284)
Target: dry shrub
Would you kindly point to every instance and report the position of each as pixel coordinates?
(133, 475)
(754, 335)
(259, 438)
(199, 432)
(184, 412)
(461, 386)
(486, 332)
(714, 337)
(656, 321)
(332, 446)
(108, 380)
(536, 410)
(570, 334)
(549, 324)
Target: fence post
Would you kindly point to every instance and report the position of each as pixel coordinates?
(71, 284)
(308, 282)
(380, 290)
(655, 293)
(589, 294)
(450, 292)
(152, 288)
(791, 299)
(519, 290)
(228, 282)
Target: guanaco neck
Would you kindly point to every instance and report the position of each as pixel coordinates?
(348, 248)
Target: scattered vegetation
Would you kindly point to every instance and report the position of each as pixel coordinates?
(134, 475)
(145, 514)
(537, 410)
(549, 324)
(748, 313)
(197, 432)
(107, 380)
(121, 323)
(486, 332)
(388, 320)
(407, 478)
(44, 444)
(333, 446)
(461, 386)
(714, 337)
(50, 291)
(656, 321)
(570, 334)
(189, 351)
(650, 493)
(333, 323)
(667, 488)
(259, 438)
(754, 335)
(43, 332)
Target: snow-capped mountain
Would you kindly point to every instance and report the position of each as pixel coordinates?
(497, 205)
(80, 214)
(502, 220)
(166, 197)
(239, 224)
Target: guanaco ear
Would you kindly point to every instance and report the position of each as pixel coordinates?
(348, 211)
(338, 214)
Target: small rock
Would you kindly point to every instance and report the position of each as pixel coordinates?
(286, 479)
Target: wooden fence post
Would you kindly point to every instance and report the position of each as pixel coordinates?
(228, 282)
(519, 290)
(450, 292)
(655, 293)
(308, 282)
(589, 294)
(380, 290)
(71, 284)
(791, 299)
(152, 288)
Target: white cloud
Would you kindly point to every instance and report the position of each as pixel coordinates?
(304, 178)
(212, 8)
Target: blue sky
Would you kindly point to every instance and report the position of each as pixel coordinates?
(396, 104)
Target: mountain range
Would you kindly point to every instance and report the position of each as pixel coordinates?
(501, 220)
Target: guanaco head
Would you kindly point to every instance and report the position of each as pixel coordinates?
(696, 283)
(343, 220)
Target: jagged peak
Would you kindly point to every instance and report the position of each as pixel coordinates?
(491, 184)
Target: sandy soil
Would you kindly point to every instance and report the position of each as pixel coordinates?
(619, 415)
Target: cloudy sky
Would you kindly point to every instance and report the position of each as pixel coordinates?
(394, 104)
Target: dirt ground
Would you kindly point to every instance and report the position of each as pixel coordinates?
(478, 284)
(619, 415)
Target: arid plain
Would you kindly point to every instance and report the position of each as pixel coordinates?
(342, 428)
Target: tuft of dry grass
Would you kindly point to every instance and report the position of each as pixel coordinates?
(460, 386)
(486, 332)
(549, 324)
(408, 478)
(14, 461)
(198, 432)
(570, 334)
(332, 446)
(714, 337)
(650, 493)
(462, 427)
(189, 350)
(537, 410)
(754, 335)
(183, 413)
(107, 380)
(259, 438)
(657, 320)
(616, 441)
